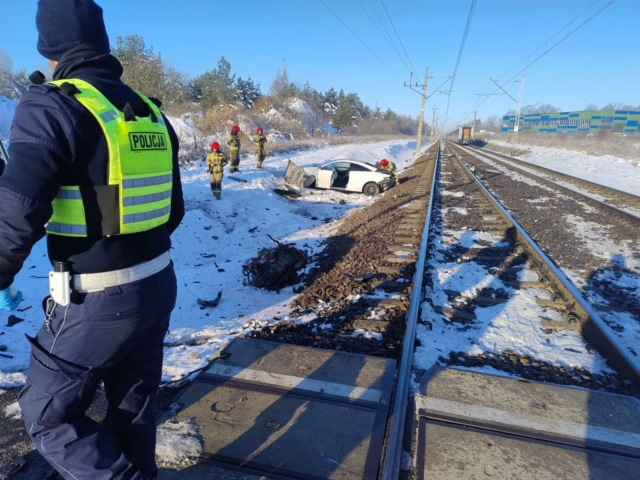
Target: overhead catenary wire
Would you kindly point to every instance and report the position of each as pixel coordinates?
(549, 49)
(563, 38)
(384, 27)
(546, 42)
(590, 37)
(363, 42)
(472, 9)
(393, 47)
(401, 44)
(564, 27)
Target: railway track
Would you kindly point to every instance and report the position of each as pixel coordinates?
(617, 202)
(373, 295)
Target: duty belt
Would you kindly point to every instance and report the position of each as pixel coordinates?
(96, 282)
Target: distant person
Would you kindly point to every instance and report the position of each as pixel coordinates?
(390, 167)
(259, 140)
(234, 150)
(94, 165)
(216, 162)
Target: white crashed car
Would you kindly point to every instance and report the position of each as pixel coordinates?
(343, 174)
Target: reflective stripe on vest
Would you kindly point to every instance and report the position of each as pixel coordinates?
(140, 177)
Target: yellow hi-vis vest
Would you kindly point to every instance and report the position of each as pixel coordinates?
(137, 196)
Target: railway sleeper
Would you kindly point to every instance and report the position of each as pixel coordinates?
(455, 314)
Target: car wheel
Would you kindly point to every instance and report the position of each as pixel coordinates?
(309, 181)
(371, 189)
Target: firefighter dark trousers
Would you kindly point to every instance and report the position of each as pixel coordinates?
(113, 336)
(216, 184)
(234, 161)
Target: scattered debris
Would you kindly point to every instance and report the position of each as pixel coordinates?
(13, 320)
(236, 179)
(287, 193)
(275, 268)
(210, 303)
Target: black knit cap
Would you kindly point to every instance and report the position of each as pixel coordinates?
(64, 24)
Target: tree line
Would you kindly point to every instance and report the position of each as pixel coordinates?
(219, 88)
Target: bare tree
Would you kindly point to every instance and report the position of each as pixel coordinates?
(590, 107)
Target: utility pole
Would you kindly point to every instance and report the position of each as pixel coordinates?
(514, 139)
(474, 120)
(433, 123)
(424, 99)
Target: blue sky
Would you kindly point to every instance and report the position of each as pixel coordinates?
(256, 35)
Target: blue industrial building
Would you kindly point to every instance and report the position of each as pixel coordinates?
(576, 123)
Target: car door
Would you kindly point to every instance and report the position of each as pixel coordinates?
(358, 176)
(326, 175)
(343, 171)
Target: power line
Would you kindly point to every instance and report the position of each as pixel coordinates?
(568, 25)
(564, 38)
(590, 37)
(472, 9)
(488, 84)
(568, 34)
(384, 27)
(363, 42)
(394, 29)
(383, 36)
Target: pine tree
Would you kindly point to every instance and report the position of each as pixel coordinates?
(247, 92)
(12, 84)
(215, 87)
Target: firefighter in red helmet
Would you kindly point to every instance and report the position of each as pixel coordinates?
(259, 140)
(216, 161)
(390, 167)
(234, 150)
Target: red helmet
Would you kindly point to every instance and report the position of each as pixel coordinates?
(259, 129)
(235, 128)
(215, 146)
(384, 162)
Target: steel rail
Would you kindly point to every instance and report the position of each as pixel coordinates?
(635, 219)
(594, 328)
(393, 454)
(555, 172)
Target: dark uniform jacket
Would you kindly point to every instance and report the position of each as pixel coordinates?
(55, 141)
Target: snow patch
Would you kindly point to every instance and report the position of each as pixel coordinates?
(7, 109)
(13, 411)
(177, 444)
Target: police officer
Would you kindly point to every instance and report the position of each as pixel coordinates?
(94, 164)
(234, 149)
(390, 167)
(259, 140)
(216, 162)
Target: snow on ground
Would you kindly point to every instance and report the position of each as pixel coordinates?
(7, 108)
(598, 240)
(177, 444)
(607, 170)
(308, 116)
(209, 249)
(514, 325)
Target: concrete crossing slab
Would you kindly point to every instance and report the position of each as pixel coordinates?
(290, 411)
(467, 421)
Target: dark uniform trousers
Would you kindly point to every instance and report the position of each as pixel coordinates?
(113, 336)
(234, 161)
(216, 184)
